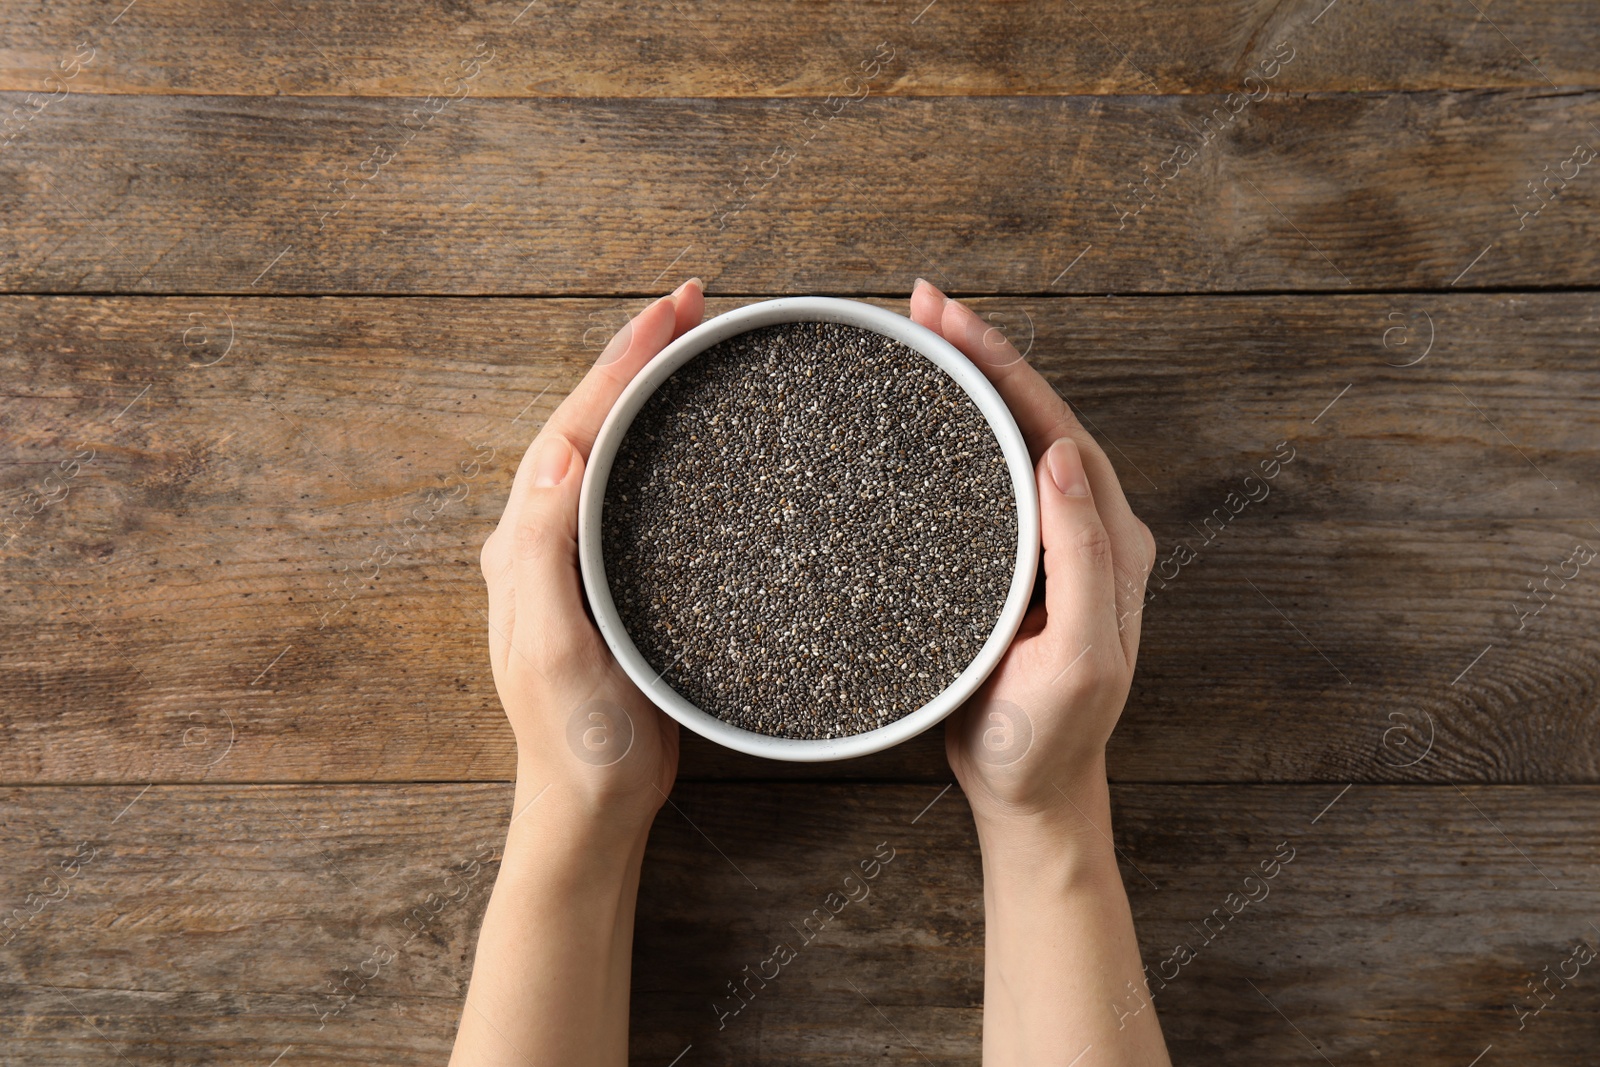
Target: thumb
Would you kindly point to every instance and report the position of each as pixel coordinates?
(550, 620)
(1080, 587)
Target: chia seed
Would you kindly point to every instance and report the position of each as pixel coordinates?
(809, 530)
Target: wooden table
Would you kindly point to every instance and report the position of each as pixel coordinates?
(289, 287)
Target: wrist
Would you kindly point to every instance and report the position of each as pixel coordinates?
(1065, 840)
(1052, 800)
(553, 958)
(557, 839)
(614, 801)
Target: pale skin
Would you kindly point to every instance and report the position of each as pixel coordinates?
(550, 981)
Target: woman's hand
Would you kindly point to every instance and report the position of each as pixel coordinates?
(589, 743)
(1038, 728)
(1062, 974)
(595, 759)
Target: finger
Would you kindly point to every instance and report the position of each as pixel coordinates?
(1040, 412)
(1043, 417)
(690, 299)
(498, 577)
(578, 418)
(548, 604)
(1131, 587)
(927, 304)
(1079, 589)
(1033, 622)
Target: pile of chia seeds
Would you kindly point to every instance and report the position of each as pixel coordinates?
(809, 530)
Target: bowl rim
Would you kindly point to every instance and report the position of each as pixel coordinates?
(919, 339)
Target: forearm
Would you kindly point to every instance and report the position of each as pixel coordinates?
(550, 979)
(1060, 944)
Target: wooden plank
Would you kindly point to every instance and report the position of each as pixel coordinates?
(1081, 194)
(763, 49)
(208, 923)
(201, 600)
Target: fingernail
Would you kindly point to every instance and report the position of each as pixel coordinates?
(685, 285)
(1066, 468)
(553, 462)
(943, 300)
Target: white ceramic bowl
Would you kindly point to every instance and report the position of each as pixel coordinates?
(768, 313)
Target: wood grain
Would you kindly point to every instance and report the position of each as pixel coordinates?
(201, 602)
(996, 195)
(209, 922)
(765, 48)
(241, 763)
